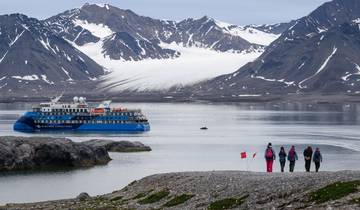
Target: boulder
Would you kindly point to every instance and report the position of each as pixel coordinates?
(24, 153)
(118, 146)
(83, 196)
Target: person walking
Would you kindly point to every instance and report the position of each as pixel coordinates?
(308, 152)
(292, 157)
(269, 157)
(282, 158)
(317, 158)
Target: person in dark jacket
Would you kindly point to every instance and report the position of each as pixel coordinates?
(317, 158)
(308, 152)
(269, 157)
(282, 158)
(292, 157)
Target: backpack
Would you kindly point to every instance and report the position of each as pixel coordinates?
(291, 155)
(269, 153)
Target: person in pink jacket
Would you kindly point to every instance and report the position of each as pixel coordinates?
(269, 157)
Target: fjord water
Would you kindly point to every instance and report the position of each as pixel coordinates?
(179, 145)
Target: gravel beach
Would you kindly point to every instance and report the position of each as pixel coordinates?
(224, 190)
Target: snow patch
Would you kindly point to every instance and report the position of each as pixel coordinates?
(47, 45)
(2, 58)
(99, 30)
(250, 34)
(45, 79)
(249, 95)
(102, 5)
(274, 80)
(320, 69)
(322, 30)
(3, 85)
(302, 65)
(16, 38)
(27, 77)
(347, 75)
(67, 73)
(356, 21)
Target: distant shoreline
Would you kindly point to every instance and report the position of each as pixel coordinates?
(169, 98)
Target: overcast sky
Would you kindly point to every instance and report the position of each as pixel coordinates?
(233, 11)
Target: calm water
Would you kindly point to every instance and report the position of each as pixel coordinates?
(179, 145)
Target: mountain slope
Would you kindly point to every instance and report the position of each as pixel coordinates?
(320, 52)
(145, 54)
(33, 57)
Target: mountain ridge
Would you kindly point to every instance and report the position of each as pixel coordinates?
(319, 53)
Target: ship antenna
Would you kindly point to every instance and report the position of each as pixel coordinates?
(56, 99)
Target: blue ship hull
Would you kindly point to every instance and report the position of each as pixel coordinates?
(27, 124)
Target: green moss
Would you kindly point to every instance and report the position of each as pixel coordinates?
(227, 203)
(155, 197)
(178, 200)
(138, 196)
(117, 198)
(355, 201)
(334, 191)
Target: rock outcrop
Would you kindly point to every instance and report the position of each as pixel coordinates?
(118, 146)
(23, 153)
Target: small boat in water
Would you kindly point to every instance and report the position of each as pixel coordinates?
(79, 116)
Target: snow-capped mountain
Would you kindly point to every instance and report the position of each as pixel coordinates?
(149, 54)
(319, 52)
(33, 57)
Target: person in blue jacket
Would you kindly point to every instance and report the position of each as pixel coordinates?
(317, 158)
(282, 158)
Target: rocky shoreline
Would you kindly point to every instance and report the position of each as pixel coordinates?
(29, 153)
(224, 190)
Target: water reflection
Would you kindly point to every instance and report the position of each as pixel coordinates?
(179, 145)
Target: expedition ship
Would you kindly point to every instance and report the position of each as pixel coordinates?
(79, 116)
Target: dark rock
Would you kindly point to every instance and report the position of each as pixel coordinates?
(22, 153)
(83, 196)
(118, 146)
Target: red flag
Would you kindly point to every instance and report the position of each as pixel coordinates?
(254, 155)
(243, 155)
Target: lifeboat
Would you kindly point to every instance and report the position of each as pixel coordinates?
(98, 111)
